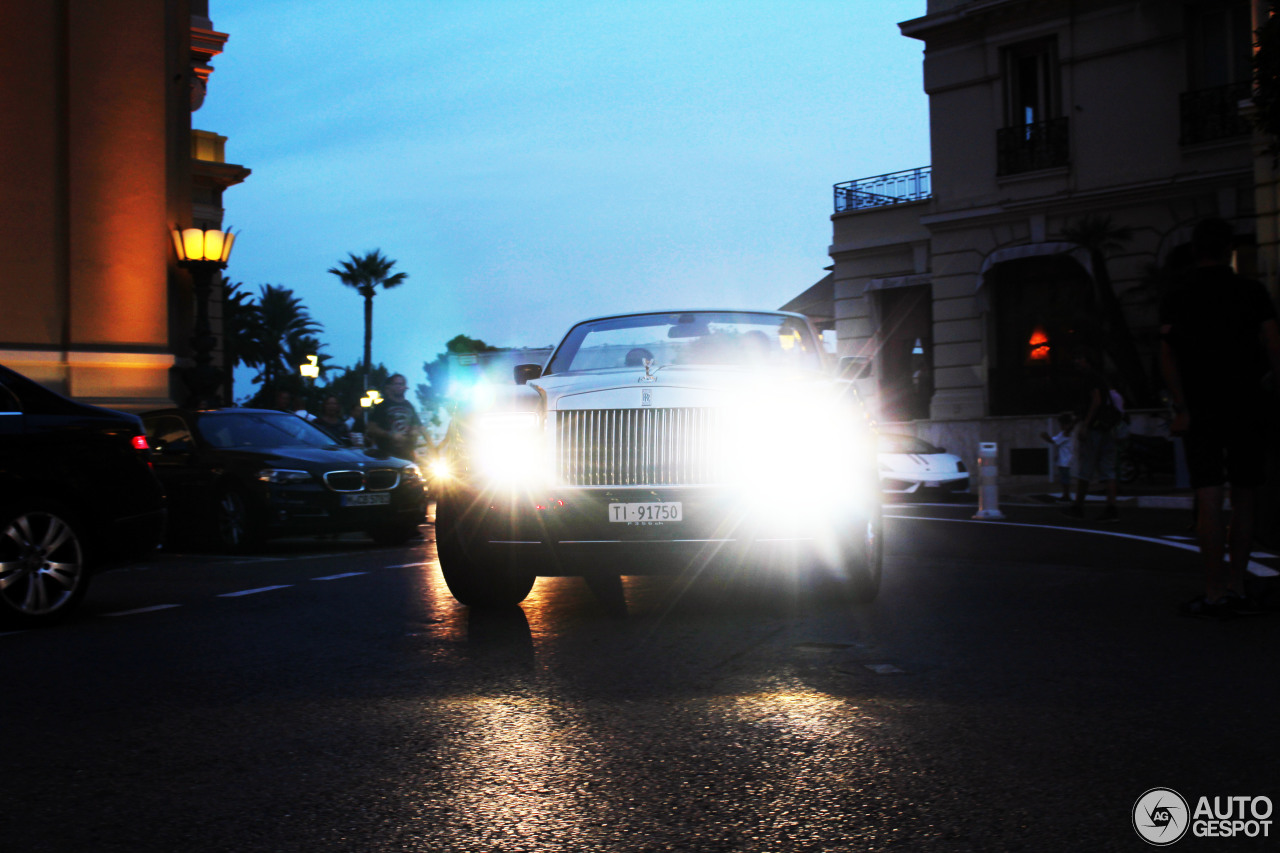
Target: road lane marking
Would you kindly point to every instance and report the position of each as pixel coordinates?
(409, 566)
(343, 575)
(135, 612)
(1254, 568)
(254, 591)
(884, 669)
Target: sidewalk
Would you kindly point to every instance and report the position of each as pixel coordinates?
(1144, 495)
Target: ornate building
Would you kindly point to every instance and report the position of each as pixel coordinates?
(100, 164)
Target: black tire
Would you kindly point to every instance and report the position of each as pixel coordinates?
(864, 564)
(43, 570)
(475, 576)
(233, 528)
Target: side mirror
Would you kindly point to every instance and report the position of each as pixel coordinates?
(854, 367)
(525, 372)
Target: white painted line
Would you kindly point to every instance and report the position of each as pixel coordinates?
(254, 591)
(408, 565)
(343, 575)
(12, 633)
(1254, 568)
(883, 669)
(143, 610)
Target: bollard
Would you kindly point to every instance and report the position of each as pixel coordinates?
(988, 481)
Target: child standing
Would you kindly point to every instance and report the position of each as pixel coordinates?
(1062, 452)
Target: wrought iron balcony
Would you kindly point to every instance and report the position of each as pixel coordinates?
(1210, 114)
(1032, 147)
(882, 190)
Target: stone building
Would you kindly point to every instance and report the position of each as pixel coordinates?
(99, 163)
(1056, 129)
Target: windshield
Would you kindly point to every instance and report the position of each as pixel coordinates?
(694, 338)
(905, 444)
(260, 429)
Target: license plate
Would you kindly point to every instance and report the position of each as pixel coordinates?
(933, 485)
(367, 499)
(639, 513)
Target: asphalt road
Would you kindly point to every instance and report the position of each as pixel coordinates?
(1017, 686)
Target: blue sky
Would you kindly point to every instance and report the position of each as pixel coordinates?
(530, 164)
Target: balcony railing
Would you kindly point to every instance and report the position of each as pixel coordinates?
(882, 190)
(1032, 147)
(1210, 114)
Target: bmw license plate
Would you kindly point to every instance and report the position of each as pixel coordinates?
(367, 499)
(641, 513)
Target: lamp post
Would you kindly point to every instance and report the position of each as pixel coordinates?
(203, 252)
(310, 371)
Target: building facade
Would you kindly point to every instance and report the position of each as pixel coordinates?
(100, 164)
(1074, 146)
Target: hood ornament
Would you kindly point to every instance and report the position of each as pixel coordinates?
(648, 376)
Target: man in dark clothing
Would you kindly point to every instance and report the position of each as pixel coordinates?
(393, 424)
(1219, 334)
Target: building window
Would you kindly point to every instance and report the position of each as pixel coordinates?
(905, 352)
(1044, 310)
(1219, 72)
(1034, 135)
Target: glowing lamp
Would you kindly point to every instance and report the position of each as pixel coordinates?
(311, 369)
(197, 245)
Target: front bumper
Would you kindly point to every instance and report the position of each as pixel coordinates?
(908, 484)
(563, 530)
(307, 508)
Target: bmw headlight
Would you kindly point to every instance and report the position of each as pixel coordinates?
(280, 476)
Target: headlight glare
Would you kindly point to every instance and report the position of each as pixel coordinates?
(280, 476)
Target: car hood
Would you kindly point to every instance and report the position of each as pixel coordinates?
(311, 458)
(939, 463)
(675, 386)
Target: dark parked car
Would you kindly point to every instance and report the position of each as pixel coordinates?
(76, 494)
(238, 476)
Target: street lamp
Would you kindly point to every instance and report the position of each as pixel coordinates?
(203, 252)
(311, 369)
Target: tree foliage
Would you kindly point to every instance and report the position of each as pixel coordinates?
(366, 274)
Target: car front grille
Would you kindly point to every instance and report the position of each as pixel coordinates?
(639, 447)
(375, 480)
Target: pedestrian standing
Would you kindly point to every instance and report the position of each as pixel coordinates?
(332, 421)
(1095, 436)
(393, 425)
(1062, 442)
(1219, 335)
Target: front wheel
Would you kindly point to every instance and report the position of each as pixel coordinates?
(475, 576)
(864, 563)
(43, 573)
(234, 528)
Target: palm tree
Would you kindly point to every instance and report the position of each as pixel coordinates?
(366, 273)
(1098, 236)
(283, 322)
(240, 332)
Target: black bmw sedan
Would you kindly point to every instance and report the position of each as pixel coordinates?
(238, 476)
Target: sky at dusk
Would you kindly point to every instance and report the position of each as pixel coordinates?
(531, 164)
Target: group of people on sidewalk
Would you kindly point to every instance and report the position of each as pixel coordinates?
(390, 428)
(1220, 341)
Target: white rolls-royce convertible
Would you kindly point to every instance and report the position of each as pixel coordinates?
(662, 443)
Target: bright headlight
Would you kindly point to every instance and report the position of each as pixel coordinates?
(508, 448)
(279, 476)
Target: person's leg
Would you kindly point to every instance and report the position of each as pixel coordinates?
(1210, 534)
(1244, 504)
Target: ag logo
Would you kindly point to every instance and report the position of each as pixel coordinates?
(1161, 817)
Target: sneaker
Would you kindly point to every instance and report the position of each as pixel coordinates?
(1239, 605)
(1110, 514)
(1203, 608)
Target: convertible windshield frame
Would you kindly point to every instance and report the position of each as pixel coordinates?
(689, 339)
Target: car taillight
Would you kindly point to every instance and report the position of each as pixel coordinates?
(140, 443)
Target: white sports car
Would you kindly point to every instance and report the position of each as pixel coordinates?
(663, 442)
(909, 465)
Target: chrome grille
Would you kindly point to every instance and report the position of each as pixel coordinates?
(344, 481)
(381, 479)
(638, 447)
